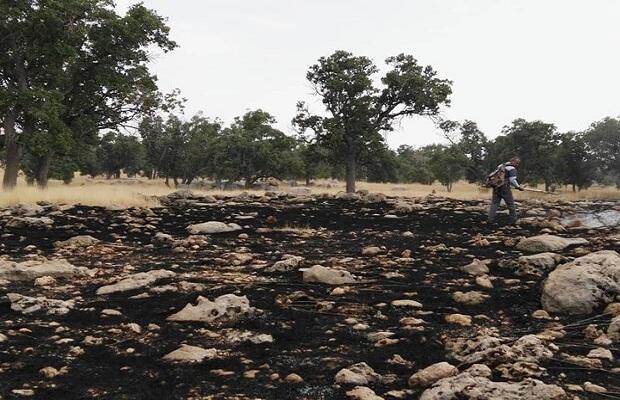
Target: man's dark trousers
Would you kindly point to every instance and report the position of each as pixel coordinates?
(499, 193)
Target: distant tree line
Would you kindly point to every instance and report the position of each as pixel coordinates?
(76, 95)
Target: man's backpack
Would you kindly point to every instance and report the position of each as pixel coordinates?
(496, 178)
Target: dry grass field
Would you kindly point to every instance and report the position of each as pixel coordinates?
(141, 192)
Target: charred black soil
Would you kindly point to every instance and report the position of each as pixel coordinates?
(313, 334)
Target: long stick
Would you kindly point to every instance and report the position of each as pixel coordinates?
(537, 191)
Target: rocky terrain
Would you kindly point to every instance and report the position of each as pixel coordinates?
(292, 296)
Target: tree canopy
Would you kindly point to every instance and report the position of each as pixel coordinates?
(359, 111)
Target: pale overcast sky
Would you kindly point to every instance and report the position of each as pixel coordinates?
(555, 60)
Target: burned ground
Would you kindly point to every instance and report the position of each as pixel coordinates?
(315, 331)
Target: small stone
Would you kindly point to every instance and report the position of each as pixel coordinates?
(187, 353)
(108, 312)
(458, 319)
(251, 373)
(371, 251)
(593, 388)
(484, 282)
(293, 378)
(23, 392)
(431, 374)
(613, 309)
(406, 303)
(44, 281)
(363, 393)
(601, 353)
(541, 314)
(49, 372)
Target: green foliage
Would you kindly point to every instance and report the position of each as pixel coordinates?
(534, 142)
(446, 163)
(118, 152)
(603, 139)
(360, 111)
(414, 165)
(574, 162)
(71, 68)
(251, 149)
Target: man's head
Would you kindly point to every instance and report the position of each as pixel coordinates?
(516, 161)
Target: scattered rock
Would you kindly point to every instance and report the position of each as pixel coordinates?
(77, 241)
(190, 354)
(136, 281)
(45, 281)
(293, 378)
(469, 298)
(548, 243)
(213, 227)
(371, 251)
(459, 319)
(358, 374)
(363, 393)
(592, 388)
(613, 331)
(28, 305)
(29, 270)
(474, 384)
(477, 267)
(536, 265)
(432, 374)
(288, 263)
(321, 274)
(406, 303)
(225, 308)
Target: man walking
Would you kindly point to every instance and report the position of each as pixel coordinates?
(503, 191)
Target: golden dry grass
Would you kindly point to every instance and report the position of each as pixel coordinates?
(141, 192)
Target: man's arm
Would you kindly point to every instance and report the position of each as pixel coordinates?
(512, 177)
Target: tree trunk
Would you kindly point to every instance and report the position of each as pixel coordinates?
(308, 178)
(574, 188)
(167, 180)
(9, 181)
(176, 181)
(350, 172)
(43, 169)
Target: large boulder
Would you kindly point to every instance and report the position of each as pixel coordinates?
(30, 270)
(212, 227)
(584, 284)
(136, 281)
(225, 308)
(321, 274)
(474, 384)
(548, 243)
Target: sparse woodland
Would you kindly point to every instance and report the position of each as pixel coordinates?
(77, 96)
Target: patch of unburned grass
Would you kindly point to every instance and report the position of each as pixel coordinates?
(142, 192)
